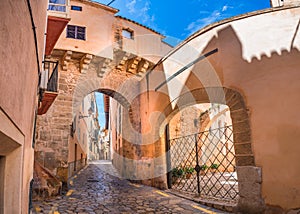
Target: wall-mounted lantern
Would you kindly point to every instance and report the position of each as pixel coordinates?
(90, 111)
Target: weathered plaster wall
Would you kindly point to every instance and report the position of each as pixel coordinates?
(80, 150)
(186, 122)
(99, 32)
(279, 3)
(262, 67)
(145, 42)
(18, 89)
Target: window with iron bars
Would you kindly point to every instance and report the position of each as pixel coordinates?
(76, 32)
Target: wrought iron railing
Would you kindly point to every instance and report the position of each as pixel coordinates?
(203, 164)
(49, 78)
(75, 166)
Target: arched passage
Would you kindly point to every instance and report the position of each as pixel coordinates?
(249, 176)
(54, 128)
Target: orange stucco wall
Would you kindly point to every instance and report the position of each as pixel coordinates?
(18, 85)
(145, 42)
(101, 28)
(258, 56)
(99, 37)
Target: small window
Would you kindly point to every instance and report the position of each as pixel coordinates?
(127, 33)
(76, 32)
(77, 8)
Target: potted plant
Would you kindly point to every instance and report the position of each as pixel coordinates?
(214, 167)
(176, 173)
(188, 172)
(203, 169)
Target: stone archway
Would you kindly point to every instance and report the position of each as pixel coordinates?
(249, 175)
(53, 128)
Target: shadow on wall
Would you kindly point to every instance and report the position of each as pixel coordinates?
(264, 88)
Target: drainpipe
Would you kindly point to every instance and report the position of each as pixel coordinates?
(35, 41)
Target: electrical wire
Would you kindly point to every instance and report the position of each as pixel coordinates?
(111, 2)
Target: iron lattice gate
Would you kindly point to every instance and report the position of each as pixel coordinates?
(204, 164)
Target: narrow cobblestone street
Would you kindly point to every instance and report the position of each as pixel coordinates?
(97, 189)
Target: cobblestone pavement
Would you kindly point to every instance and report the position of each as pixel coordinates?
(97, 189)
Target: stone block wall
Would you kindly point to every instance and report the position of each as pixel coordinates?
(186, 122)
(53, 128)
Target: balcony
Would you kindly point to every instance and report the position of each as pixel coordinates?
(48, 86)
(58, 18)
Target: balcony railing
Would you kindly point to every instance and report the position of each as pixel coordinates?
(59, 8)
(48, 86)
(49, 77)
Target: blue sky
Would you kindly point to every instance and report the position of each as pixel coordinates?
(179, 19)
(101, 117)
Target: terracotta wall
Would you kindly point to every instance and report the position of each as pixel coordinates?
(81, 157)
(116, 141)
(102, 38)
(98, 21)
(18, 94)
(262, 67)
(145, 42)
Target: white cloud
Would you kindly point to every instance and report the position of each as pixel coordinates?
(140, 11)
(146, 7)
(131, 6)
(140, 8)
(152, 18)
(225, 7)
(216, 15)
(143, 12)
(202, 22)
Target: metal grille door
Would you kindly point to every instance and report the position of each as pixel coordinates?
(203, 164)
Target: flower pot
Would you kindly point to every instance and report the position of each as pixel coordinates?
(174, 180)
(188, 175)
